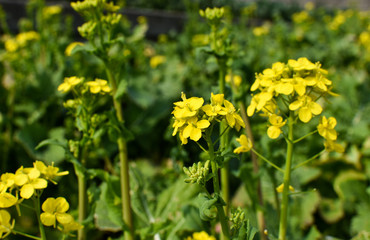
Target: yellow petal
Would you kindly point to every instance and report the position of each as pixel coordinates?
(7, 200)
(273, 132)
(62, 205)
(27, 191)
(64, 218)
(195, 134)
(305, 114)
(47, 219)
(315, 108)
(39, 183)
(203, 124)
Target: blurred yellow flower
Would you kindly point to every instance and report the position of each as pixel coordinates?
(201, 236)
(156, 60)
(99, 85)
(326, 128)
(68, 83)
(237, 79)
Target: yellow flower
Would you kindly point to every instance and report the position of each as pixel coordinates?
(29, 180)
(307, 108)
(5, 225)
(194, 128)
(7, 200)
(24, 37)
(326, 128)
(71, 227)
(49, 11)
(49, 172)
(99, 85)
(215, 108)
(246, 144)
(237, 80)
(301, 64)
(201, 236)
(232, 117)
(332, 146)
(8, 179)
(187, 107)
(276, 122)
(280, 188)
(69, 82)
(156, 60)
(259, 101)
(11, 45)
(55, 210)
(71, 46)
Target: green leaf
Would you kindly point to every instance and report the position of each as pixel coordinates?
(331, 210)
(108, 211)
(121, 89)
(361, 222)
(314, 234)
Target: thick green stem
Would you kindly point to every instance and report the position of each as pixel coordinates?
(216, 188)
(81, 204)
(124, 170)
(287, 172)
(225, 172)
(36, 203)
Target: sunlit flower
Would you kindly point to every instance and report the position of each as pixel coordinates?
(99, 85)
(5, 225)
(55, 210)
(194, 128)
(187, 107)
(307, 108)
(71, 227)
(215, 108)
(232, 117)
(69, 83)
(7, 200)
(246, 144)
(49, 172)
(29, 180)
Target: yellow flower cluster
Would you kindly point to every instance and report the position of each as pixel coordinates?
(192, 118)
(236, 80)
(20, 41)
(262, 30)
(55, 210)
(95, 87)
(24, 183)
(340, 18)
(299, 84)
(201, 236)
(212, 13)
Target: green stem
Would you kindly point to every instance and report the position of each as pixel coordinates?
(25, 235)
(216, 189)
(268, 161)
(224, 137)
(287, 172)
(124, 167)
(36, 203)
(308, 160)
(301, 138)
(81, 204)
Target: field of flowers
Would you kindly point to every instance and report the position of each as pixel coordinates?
(244, 125)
